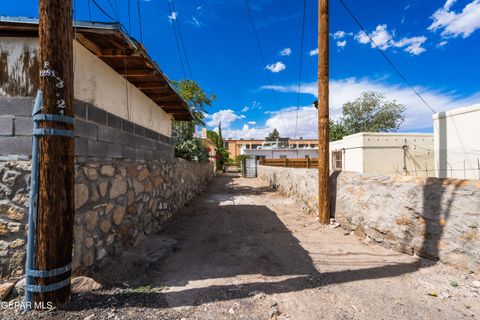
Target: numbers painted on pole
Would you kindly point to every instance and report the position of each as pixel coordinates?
(47, 72)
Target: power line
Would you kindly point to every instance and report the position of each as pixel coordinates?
(182, 43)
(129, 23)
(89, 11)
(301, 64)
(103, 11)
(172, 17)
(264, 61)
(385, 56)
(140, 20)
(115, 12)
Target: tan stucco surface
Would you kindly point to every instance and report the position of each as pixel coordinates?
(100, 85)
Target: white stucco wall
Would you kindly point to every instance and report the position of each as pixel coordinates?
(383, 153)
(94, 82)
(100, 85)
(457, 143)
(352, 156)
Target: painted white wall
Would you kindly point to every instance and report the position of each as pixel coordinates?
(352, 156)
(383, 153)
(95, 82)
(100, 85)
(457, 143)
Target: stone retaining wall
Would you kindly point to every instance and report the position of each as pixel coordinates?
(117, 203)
(430, 217)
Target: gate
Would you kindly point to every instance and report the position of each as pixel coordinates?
(249, 168)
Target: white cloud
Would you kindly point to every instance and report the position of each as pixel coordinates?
(342, 44)
(313, 52)
(276, 67)
(195, 22)
(412, 45)
(286, 52)
(245, 109)
(442, 44)
(417, 114)
(339, 34)
(284, 121)
(455, 24)
(226, 117)
(385, 39)
(173, 16)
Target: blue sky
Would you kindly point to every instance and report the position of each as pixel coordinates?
(436, 45)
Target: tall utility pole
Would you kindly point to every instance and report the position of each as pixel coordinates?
(54, 219)
(323, 117)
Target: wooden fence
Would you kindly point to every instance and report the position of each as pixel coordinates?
(291, 163)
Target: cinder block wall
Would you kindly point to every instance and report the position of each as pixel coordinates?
(430, 217)
(127, 184)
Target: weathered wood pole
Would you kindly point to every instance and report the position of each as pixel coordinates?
(55, 217)
(323, 114)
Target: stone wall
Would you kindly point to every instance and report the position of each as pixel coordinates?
(117, 203)
(430, 217)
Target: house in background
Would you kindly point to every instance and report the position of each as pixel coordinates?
(457, 143)
(235, 146)
(409, 154)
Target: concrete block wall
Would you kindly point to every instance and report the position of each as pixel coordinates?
(438, 219)
(98, 133)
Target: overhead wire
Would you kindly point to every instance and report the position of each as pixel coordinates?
(140, 20)
(182, 43)
(89, 11)
(301, 64)
(173, 17)
(389, 61)
(129, 18)
(264, 61)
(103, 11)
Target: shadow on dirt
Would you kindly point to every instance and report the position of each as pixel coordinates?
(224, 241)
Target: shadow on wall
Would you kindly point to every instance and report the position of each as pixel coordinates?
(428, 225)
(249, 240)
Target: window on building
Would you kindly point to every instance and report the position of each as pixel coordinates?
(337, 163)
(225, 144)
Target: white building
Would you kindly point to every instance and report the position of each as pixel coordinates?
(281, 153)
(457, 143)
(384, 153)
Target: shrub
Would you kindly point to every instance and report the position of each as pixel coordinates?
(192, 150)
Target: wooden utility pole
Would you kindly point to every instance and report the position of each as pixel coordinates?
(54, 234)
(323, 117)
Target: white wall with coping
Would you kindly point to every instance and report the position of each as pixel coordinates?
(457, 143)
(383, 153)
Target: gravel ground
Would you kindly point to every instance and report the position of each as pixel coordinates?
(242, 251)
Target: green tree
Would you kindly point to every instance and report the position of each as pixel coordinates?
(197, 101)
(371, 112)
(336, 130)
(213, 137)
(273, 136)
(220, 138)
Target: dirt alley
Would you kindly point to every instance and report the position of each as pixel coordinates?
(242, 251)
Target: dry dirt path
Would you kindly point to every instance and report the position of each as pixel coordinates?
(242, 251)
